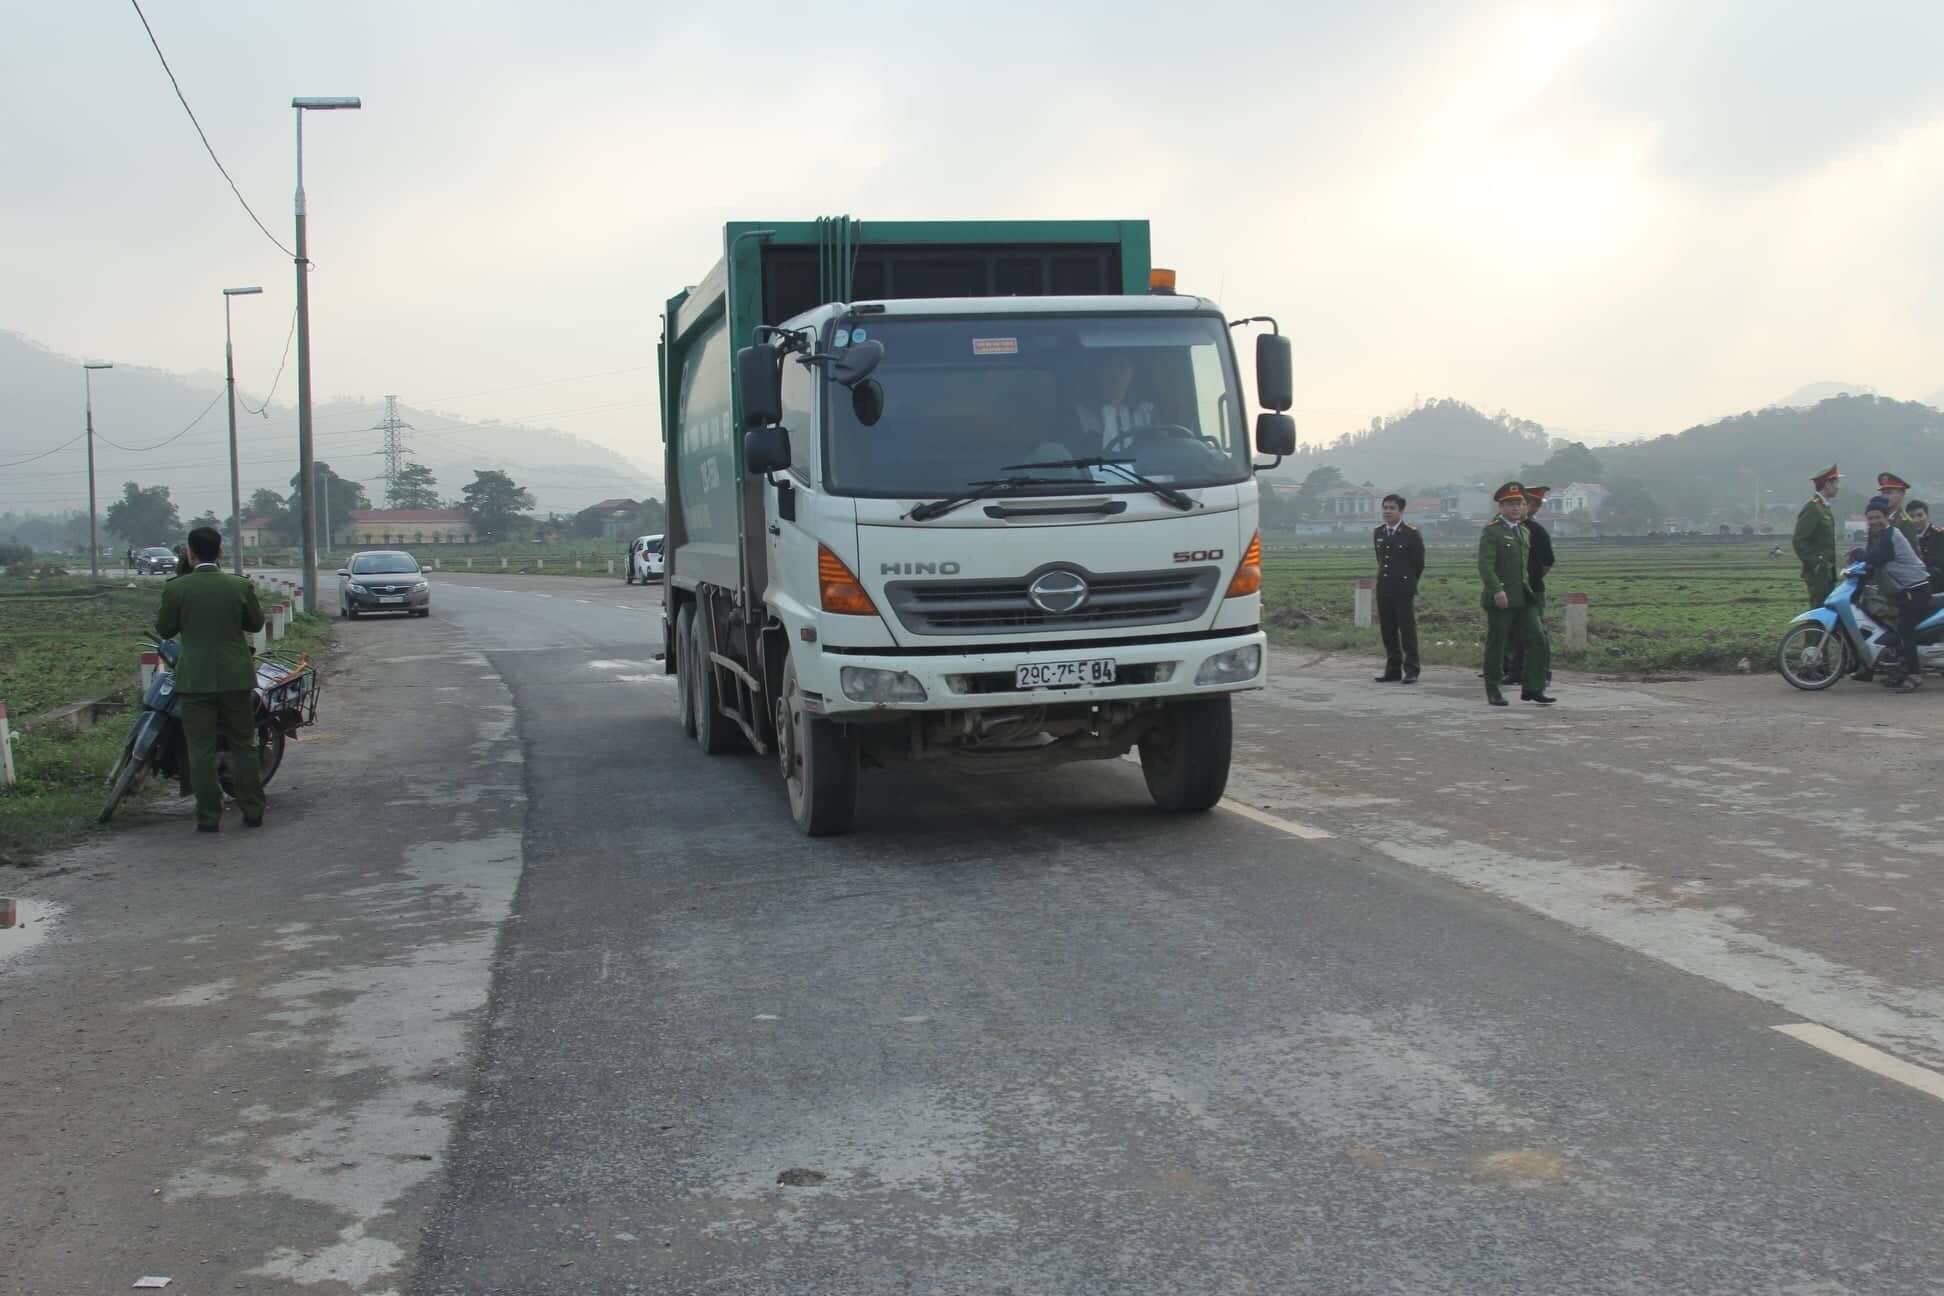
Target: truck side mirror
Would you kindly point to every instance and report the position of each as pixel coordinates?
(1275, 385)
(766, 450)
(759, 385)
(1275, 434)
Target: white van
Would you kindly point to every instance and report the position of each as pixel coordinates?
(645, 559)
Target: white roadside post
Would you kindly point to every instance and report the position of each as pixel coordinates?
(610, 566)
(1576, 623)
(502, 564)
(6, 750)
(1366, 595)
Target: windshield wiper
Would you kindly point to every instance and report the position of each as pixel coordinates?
(1167, 494)
(979, 490)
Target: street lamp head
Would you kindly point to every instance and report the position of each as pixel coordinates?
(96, 364)
(326, 101)
(240, 292)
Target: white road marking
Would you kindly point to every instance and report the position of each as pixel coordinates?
(1277, 822)
(1857, 1053)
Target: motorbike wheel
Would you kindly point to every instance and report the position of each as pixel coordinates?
(132, 764)
(270, 752)
(1811, 658)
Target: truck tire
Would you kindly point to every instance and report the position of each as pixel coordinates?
(685, 666)
(819, 764)
(1185, 757)
(715, 733)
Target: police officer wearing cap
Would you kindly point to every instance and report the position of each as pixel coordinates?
(1504, 566)
(1815, 537)
(1400, 562)
(1539, 561)
(1894, 488)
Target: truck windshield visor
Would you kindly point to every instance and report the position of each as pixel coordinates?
(959, 401)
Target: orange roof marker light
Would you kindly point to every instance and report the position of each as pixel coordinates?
(840, 591)
(1248, 574)
(1161, 281)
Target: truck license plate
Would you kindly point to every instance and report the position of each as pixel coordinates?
(1066, 674)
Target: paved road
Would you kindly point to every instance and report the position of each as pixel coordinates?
(1451, 1000)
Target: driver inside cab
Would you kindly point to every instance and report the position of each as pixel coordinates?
(1111, 408)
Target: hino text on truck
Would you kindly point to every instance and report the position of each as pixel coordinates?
(977, 491)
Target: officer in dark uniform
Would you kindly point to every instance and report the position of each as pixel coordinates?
(1400, 562)
(1930, 543)
(1539, 561)
(211, 615)
(1894, 488)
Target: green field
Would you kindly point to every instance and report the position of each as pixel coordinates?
(62, 642)
(1696, 607)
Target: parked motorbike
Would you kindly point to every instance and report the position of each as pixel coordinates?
(1827, 643)
(286, 695)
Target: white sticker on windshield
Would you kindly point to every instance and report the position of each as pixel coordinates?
(995, 346)
(840, 338)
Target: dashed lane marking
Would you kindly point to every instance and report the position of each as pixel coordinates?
(1277, 822)
(1857, 1053)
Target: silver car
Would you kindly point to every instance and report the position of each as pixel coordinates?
(383, 580)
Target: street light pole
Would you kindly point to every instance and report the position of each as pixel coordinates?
(87, 384)
(306, 454)
(229, 383)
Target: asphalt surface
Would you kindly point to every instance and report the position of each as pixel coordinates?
(1450, 1000)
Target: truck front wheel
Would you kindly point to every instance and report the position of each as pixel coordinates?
(1185, 757)
(819, 764)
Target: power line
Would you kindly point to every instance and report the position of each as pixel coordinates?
(263, 410)
(180, 98)
(165, 440)
(45, 453)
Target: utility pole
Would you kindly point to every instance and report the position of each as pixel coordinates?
(306, 454)
(229, 384)
(394, 450)
(94, 545)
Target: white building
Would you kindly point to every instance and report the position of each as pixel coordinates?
(1582, 497)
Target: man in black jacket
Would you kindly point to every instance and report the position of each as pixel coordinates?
(1400, 562)
(1538, 562)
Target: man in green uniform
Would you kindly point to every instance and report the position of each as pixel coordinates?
(1504, 564)
(1894, 488)
(1815, 537)
(212, 615)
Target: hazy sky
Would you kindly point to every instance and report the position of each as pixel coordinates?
(1619, 219)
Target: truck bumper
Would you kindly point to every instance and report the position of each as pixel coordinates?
(959, 682)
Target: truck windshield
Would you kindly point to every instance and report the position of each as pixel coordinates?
(959, 401)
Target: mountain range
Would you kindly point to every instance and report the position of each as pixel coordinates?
(154, 426)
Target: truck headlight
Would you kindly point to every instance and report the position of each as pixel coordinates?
(867, 684)
(1231, 667)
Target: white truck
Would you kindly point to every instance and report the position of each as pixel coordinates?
(913, 515)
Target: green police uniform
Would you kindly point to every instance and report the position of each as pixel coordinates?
(1503, 567)
(212, 615)
(1815, 548)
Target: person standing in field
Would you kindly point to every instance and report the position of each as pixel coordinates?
(1893, 489)
(1930, 542)
(1539, 561)
(1815, 537)
(1400, 562)
(1504, 563)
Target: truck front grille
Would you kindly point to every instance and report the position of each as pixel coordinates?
(964, 607)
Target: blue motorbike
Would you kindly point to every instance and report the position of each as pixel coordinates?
(286, 701)
(1842, 636)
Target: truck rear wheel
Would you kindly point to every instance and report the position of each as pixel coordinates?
(819, 764)
(1185, 757)
(685, 667)
(715, 733)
